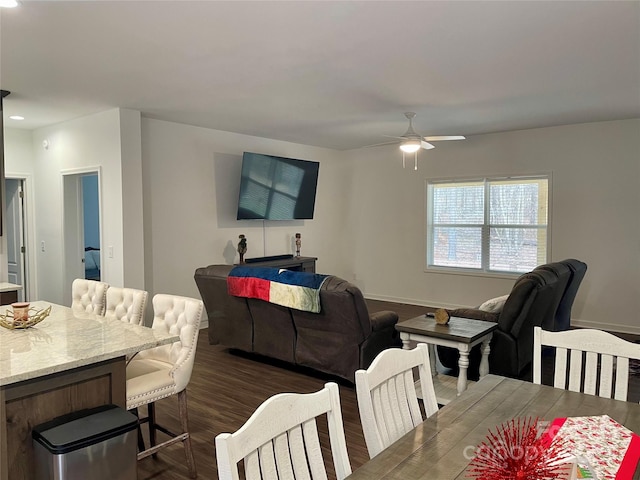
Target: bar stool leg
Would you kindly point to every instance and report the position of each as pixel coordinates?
(140, 437)
(151, 412)
(184, 423)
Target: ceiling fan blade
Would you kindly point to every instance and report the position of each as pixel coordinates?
(427, 146)
(393, 136)
(439, 138)
(380, 144)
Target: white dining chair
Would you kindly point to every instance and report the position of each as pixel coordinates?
(163, 371)
(88, 296)
(598, 361)
(387, 397)
(126, 304)
(280, 440)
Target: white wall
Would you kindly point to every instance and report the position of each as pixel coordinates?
(84, 143)
(595, 171)
(19, 164)
(191, 177)
(132, 212)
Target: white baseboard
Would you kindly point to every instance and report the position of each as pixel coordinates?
(411, 301)
(609, 327)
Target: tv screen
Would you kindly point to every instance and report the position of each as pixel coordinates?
(277, 188)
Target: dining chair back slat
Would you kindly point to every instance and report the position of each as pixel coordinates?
(268, 461)
(575, 370)
(591, 373)
(298, 456)
(251, 465)
(283, 463)
(311, 446)
(622, 377)
(606, 379)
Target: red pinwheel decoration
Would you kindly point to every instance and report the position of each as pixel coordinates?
(518, 451)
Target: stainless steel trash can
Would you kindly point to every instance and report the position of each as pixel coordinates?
(96, 444)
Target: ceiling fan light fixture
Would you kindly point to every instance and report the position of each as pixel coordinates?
(411, 142)
(410, 146)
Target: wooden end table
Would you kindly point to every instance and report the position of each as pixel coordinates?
(460, 333)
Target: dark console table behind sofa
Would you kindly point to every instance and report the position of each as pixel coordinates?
(298, 264)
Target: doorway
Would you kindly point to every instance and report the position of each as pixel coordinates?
(91, 226)
(81, 227)
(16, 235)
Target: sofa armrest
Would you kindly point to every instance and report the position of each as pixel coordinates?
(474, 314)
(383, 319)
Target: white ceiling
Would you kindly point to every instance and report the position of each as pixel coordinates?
(336, 74)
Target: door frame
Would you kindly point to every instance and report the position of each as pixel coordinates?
(14, 219)
(72, 223)
(29, 227)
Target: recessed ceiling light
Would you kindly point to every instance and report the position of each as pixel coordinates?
(16, 117)
(8, 3)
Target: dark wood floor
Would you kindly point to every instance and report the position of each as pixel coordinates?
(227, 387)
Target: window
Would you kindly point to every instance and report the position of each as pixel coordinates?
(488, 225)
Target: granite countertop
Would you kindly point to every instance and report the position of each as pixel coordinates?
(65, 340)
(9, 287)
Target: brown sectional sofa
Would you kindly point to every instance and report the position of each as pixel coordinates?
(340, 339)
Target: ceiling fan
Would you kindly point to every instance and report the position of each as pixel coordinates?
(412, 141)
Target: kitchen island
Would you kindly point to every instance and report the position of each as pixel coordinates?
(9, 293)
(67, 362)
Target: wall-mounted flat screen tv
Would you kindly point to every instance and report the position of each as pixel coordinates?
(277, 188)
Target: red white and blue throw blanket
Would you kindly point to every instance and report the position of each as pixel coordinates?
(299, 290)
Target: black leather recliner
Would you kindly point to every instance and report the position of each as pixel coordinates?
(577, 269)
(535, 300)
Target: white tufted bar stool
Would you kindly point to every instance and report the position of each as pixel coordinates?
(164, 371)
(126, 304)
(88, 296)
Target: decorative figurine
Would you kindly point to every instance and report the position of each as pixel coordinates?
(242, 247)
(298, 243)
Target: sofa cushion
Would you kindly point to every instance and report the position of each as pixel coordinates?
(275, 338)
(475, 314)
(494, 305)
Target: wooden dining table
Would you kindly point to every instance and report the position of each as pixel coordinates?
(441, 447)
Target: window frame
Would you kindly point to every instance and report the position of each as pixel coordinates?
(484, 271)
